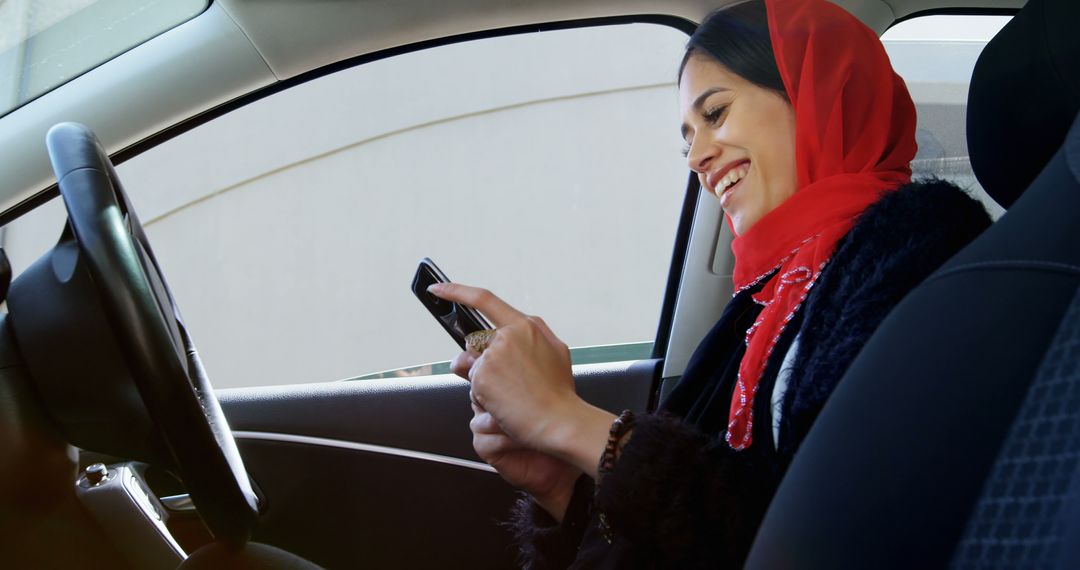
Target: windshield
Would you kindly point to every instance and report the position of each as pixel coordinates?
(45, 43)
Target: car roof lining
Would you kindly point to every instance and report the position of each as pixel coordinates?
(353, 28)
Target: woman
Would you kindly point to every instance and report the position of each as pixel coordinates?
(795, 120)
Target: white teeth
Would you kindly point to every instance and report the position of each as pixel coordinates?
(734, 175)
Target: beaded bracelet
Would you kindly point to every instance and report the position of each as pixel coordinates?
(619, 428)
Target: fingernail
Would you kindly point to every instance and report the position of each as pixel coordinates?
(434, 288)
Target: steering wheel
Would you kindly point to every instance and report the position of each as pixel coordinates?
(154, 362)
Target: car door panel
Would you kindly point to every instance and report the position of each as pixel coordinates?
(382, 472)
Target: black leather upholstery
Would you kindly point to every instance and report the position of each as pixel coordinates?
(897, 464)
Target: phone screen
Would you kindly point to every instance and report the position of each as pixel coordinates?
(458, 320)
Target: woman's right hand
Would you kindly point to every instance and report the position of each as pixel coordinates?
(548, 479)
(525, 380)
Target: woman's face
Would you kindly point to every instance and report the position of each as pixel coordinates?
(740, 140)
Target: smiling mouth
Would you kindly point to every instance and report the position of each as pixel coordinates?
(730, 179)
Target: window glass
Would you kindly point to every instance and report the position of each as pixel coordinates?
(543, 166)
(45, 43)
(936, 55)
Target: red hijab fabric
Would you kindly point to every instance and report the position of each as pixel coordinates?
(855, 139)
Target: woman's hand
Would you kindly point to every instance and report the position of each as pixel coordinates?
(548, 479)
(524, 381)
(523, 378)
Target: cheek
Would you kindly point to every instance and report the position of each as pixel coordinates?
(786, 136)
(778, 137)
(780, 167)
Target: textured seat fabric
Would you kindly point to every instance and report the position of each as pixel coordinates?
(895, 463)
(949, 427)
(1027, 503)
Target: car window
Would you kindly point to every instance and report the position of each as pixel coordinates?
(936, 55)
(45, 43)
(544, 166)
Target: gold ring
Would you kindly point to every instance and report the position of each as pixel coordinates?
(479, 340)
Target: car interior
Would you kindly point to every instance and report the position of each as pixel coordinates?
(952, 440)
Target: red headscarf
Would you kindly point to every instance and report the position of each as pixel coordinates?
(854, 140)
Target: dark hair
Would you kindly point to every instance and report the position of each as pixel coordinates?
(737, 37)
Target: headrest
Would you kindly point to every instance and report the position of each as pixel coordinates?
(1024, 95)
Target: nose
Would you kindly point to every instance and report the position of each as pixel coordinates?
(700, 155)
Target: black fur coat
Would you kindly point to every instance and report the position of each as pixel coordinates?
(678, 496)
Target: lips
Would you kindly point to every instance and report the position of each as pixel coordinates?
(725, 178)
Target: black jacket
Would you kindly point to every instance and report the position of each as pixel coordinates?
(678, 496)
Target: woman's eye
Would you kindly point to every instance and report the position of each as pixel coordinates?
(685, 150)
(714, 115)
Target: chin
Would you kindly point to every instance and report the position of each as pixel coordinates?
(737, 226)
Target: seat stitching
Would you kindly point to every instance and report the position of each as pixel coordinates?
(1010, 264)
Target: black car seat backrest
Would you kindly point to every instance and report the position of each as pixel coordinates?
(954, 437)
(1024, 92)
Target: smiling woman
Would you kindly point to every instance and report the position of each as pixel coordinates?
(738, 121)
(738, 134)
(830, 234)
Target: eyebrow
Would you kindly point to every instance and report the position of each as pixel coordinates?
(685, 129)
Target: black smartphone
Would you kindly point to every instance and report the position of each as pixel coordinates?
(458, 320)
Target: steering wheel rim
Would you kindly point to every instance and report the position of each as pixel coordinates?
(151, 335)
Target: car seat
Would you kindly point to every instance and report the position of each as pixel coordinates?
(954, 437)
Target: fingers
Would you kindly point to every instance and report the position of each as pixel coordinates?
(489, 440)
(546, 330)
(495, 309)
(462, 363)
(491, 447)
(483, 422)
